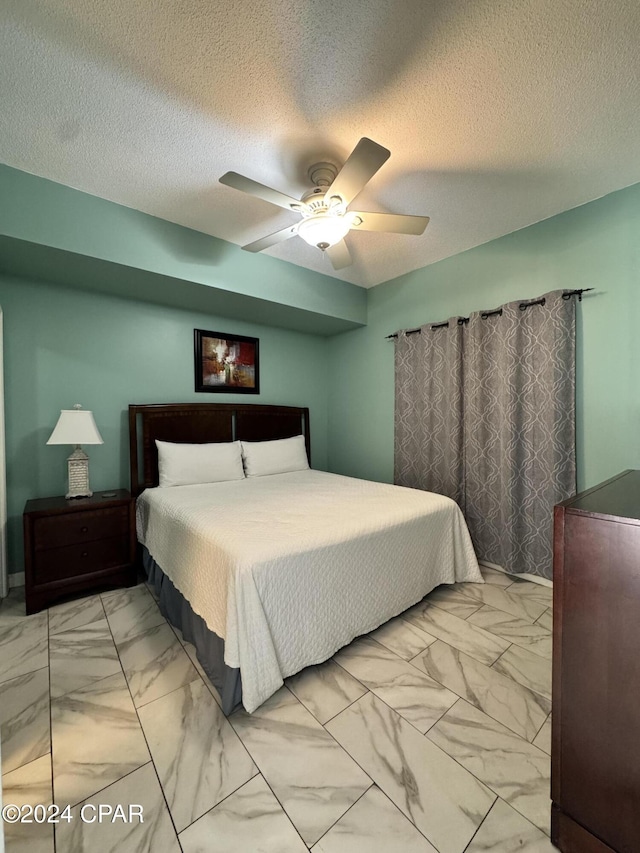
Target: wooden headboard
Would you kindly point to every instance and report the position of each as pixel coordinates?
(199, 423)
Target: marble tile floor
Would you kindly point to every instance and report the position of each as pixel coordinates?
(429, 735)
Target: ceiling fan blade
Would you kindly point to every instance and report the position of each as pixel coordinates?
(247, 185)
(339, 255)
(362, 164)
(272, 239)
(397, 222)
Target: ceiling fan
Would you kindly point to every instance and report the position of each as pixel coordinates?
(325, 217)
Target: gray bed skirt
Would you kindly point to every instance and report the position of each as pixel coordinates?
(209, 646)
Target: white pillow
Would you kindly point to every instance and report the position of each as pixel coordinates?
(186, 464)
(274, 457)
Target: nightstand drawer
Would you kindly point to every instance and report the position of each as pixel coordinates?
(78, 527)
(79, 559)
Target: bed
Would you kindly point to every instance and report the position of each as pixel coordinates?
(268, 575)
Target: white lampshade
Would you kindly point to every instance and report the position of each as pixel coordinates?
(75, 426)
(324, 229)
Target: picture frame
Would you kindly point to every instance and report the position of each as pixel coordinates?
(226, 363)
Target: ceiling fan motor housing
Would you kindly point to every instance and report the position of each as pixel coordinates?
(325, 214)
(315, 201)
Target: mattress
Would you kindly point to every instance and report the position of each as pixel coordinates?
(289, 568)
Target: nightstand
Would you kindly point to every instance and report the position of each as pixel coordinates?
(78, 546)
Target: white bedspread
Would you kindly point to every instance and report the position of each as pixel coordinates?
(290, 568)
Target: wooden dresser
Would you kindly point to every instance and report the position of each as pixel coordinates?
(595, 756)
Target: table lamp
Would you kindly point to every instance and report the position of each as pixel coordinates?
(77, 426)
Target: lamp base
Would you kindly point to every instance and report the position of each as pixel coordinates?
(78, 467)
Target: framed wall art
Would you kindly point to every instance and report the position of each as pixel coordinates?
(226, 364)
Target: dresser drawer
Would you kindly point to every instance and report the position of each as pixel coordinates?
(80, 559)
(79, 527)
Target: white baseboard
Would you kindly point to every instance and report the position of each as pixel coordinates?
(16, 579)
(523, 576)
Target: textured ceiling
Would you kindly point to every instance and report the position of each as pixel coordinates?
(498, 113)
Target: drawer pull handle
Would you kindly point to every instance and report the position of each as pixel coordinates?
(84, 530)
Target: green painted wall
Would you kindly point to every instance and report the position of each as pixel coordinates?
(597, 245)
(63, 346)
(41, 212)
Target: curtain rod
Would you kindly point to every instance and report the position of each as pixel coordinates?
(523, 306)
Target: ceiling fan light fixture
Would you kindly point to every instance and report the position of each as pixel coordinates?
(324, 229)
(326, 218)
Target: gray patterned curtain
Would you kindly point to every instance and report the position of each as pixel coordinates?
(428, 410)
(517, 394)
